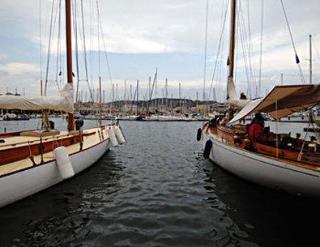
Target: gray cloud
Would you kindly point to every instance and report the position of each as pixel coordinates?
(169, 26)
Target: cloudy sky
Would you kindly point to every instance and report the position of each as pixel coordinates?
(142, 35)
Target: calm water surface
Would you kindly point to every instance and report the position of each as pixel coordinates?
(157, 190)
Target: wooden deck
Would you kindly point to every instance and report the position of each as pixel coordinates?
(90, 137)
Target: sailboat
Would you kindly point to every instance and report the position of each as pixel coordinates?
(34, 160)
(283, 163)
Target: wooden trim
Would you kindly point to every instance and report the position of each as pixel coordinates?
(285, 155)
(49, 161)
(18, 153)
(229, 148)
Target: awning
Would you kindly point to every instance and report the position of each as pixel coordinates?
(63, 103)
(283, 101)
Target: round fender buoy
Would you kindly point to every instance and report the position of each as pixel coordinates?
(199, 133)
(207, 149)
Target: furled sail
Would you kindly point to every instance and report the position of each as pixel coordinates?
(231, 89)
(232, 98)
(63, 103)
(282, 101)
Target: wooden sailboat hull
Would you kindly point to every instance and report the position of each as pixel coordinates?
(16, 186)
(272, 173)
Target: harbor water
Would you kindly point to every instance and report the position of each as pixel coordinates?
(157, 190)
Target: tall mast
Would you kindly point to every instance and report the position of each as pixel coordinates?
(310, 54)
(69, 56)
(232, 38)
(231, 92)
(137, 97)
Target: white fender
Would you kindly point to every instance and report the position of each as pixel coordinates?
(119, 134)
(63, 162)
(112, 136)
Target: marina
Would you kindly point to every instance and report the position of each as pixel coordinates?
(168, 195)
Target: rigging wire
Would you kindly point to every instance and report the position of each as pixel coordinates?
(75, 27)
(205, 51)
(261, 46)
(99, 45)
(219, 47)
(243, 41)
(56, 18)
(49, 48)
(85, 51)
(253, 77)
(236, 54)
(293, 44)
(40, 45)
(91, 31)
(246, 56)
(105, 48)
(58, 46)
(61, 61)
(249, 47)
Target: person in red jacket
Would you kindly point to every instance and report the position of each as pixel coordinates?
(256, 129)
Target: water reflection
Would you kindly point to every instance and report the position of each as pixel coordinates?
(61, 214)
(269, 218)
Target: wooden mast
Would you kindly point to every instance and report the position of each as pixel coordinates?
(69, 56)
(231, 91)
(232, 38)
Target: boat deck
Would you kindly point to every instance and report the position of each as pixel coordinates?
(225, 135)
(91, 137)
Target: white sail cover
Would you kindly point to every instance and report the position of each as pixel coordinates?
(232, 98)
(63, 103)
(283, 101)
(231, 89)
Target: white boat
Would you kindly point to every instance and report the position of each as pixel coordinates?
(283, 163)
(34, 160)
(22, 178)
(293, 177)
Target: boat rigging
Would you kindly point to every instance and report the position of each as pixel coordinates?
(278, 160)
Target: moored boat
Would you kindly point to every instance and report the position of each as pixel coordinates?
(34, 160)
(29, 163)
(278, 164)
(280, 161)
